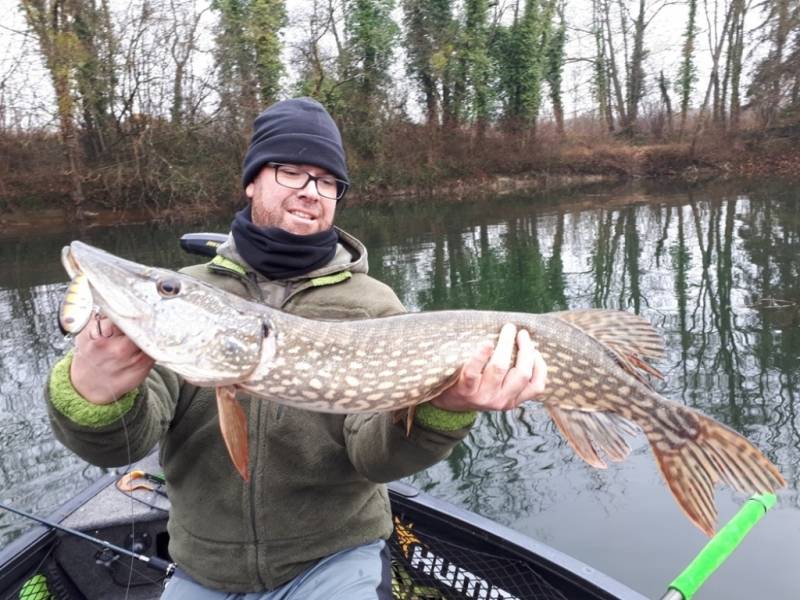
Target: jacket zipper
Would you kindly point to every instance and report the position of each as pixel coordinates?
(252, 490)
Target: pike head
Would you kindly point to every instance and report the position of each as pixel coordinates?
(208, 336)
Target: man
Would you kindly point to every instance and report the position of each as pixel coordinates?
(312, 521)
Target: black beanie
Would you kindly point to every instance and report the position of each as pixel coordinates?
(298, 131)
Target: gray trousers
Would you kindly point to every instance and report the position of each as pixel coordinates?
(361, 573)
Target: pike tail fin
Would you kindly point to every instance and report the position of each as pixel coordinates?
(693, 453)
(701, 452)
(233, 424)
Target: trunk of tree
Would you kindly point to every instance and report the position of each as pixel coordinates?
(266, 20)
(687, 70)
(720, 42)
(736, 50)
(176, 110)
(662, 86)
(636, 72)
(431, 101)
(780, 37)
(554, 68)
(558, 112)
(601, 83)
(612, 63)
(716, 114)
(94, 76)
(69, 139)
(184, 40)
(609, 112)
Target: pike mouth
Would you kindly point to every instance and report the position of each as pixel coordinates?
(69, 263)
(105, 273)
(144, 303)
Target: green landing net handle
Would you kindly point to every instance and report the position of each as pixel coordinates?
(719, 548)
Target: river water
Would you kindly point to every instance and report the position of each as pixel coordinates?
(715, 268)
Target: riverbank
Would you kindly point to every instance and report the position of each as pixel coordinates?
(556, 168)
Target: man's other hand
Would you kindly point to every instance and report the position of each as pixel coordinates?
(488, 381)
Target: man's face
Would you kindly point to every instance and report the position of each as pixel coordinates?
(301, 212)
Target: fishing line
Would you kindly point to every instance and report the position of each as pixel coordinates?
(75, 307)
(144, 502)
(128, 454)
(132, 515)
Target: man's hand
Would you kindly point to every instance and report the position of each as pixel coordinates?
(106, 363)
(488, 381)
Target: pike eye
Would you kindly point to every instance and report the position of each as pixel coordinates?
(168, 287)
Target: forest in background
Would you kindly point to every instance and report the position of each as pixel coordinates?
(152, 101)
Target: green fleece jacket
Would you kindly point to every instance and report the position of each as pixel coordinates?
(316, 479)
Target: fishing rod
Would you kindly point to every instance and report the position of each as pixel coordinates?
(719, 548)
(153, 562)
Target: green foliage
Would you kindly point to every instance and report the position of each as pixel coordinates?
(554, 65)
(475, 56)
(429, 31)
(370, 38)
(521, 54)
(232, 56)
(268, 17)
(371, 34)
(95, 77)
(248, 47)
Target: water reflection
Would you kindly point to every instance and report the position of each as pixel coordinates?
(715, 269)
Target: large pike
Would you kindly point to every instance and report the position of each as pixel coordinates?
(597, 385)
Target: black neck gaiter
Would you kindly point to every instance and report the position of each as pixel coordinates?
(278, 254)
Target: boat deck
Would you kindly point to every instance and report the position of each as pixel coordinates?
(439, 551)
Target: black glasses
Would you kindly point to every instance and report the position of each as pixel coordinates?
(294, 177)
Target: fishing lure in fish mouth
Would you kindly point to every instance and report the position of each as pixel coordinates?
(77, 306)
(598, 389)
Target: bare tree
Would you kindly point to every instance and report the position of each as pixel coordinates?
(185, 20)
(51, 22)
(628, 81)
(716, 43)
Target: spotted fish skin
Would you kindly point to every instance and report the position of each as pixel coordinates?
(598, 388)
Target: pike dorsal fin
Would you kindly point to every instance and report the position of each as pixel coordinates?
(631, 339)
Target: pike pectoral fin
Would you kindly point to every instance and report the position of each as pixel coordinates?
(233, 423)
(693, 461)
(588, 432)
(405, 416)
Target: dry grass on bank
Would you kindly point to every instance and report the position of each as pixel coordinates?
(159, 169)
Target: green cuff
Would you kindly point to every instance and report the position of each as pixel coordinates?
(431, 417)
(66, 399)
